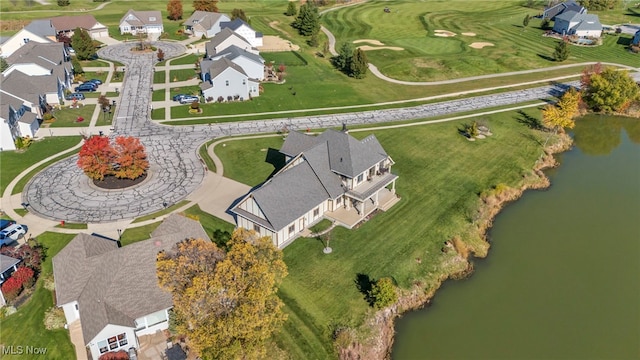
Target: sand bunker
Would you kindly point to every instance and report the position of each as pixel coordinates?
(272, 43)
(469, 34)
(370, 41)
(369, 48)
(480, 45)
(444, 33)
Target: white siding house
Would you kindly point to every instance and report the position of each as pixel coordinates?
(224, 79)
(145, 22)
(579, 24)
(225, 39)
(19, 39)
(243, 29)
(204, 23)
(252, 64)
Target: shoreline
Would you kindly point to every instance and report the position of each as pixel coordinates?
(379, 343)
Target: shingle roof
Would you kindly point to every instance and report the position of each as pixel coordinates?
(204, 18)
(219, 38)
(64, 23)
(117, 285)
(569, 5)
(7, 262)
(143, 17)
(233, 52)
(29, 87)
(233, 24)
(41, 27)
(218, 66)
(589, 22)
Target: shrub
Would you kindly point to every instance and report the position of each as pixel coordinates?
(24, 276)
(119, 355)
(383, 293)
(54, 318)
(47, 116)
(210, 99)
(220, 99)
(195, 105)
(11, 289)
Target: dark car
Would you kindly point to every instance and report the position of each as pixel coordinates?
(189, 99)
(95, 86)
(179, 97)
(95, 81)
(74, 96)
(85, 88)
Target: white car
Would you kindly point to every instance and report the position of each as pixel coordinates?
(12, 233)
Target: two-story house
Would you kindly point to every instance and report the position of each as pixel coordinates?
(40, 31)
(224, 39)
(332, 175)
(243, 29)
(252, 64)
(204, 23)
(223, 79)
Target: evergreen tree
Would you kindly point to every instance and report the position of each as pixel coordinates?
(174, 8)
(238, 14)
(63, 2)
(343, 60)
(3, 64)
(358, 65)
(205, 5)
(561, 52)
(77, 68)
(291, 9)
(82, 44)
(546, 24)
(308, 20)
(525, 21)
(313, 40)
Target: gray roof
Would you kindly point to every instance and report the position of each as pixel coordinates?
(569, 5)
(117, 285)
(219, 38)
(204, 18)
(142, 18)
(7, 262)
(41, 27)
(67, 23)
(233, 52)
(28, 118)
(218, 66)
(236, 24)
(585, 21)
(29, 87)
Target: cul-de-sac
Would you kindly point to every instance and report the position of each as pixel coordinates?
(273, 179)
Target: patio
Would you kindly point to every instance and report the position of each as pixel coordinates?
(350, 218)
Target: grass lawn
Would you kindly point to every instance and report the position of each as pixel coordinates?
(157, 95)
(254, 154)
(13, 163)
(100, 75)
(159, 77)
(75, 226)
(204, 154)
(209, 222)
(68, 117)
(118, 76)
(161, 212)
(132, 235)
(440, 176)
(26, 326)
(186, 60)
(94, 63)
(182, 75)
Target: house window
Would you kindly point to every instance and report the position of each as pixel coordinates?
(316, 212)
(292, 229)
(244, 82)
(339, 201)
(360, 177)
(103, 346)
(227, 82)
(77, 307)
(256, 228)
(26, 40)
(113, 343)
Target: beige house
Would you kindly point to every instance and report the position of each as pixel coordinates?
(142, 22)
(332, 175)
(204, 23)
(67, 24)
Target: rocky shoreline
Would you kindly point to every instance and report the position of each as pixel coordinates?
(379, 342)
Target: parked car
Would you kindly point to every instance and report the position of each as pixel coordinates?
(74, 96)
(6, 223)
(85, 88)
(95, 81)
(12, 233)
(189, 99)
(178, 97)
(95, 86)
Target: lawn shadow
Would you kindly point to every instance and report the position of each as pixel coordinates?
(275, 158)
(623, 41)
(530, 121)
(547, 57)
(364, 283)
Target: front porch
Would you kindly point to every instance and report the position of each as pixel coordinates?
(352, 216)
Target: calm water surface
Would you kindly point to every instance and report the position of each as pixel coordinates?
(562, 279)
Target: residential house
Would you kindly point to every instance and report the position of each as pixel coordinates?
(570, 5)
(204, 23)
(223, 78)
(243, 29)
(636, 39)
(67, 24)
(8, 266)
(579, 24)
(40, 31)
(332, 175)
(252, 64)
(224, 39)
(142, 22)
(113, 292)
(17, 119)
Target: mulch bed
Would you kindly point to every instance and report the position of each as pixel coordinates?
(113, 183)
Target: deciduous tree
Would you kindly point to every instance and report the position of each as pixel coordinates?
(95, 157)
(174, 8)
(130, 157)
(561, 114)
(585, 78)
(561, 52)
(238, 14)
(225, 303)
(599, 4)
(358, 64)
(383, 293)
(291, 9)
(308, 20)
(82, 44)
(160, 55)
(611, 91)
(206, 5)
(103, 101)
(64, 2)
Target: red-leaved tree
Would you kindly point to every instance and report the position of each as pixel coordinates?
(96, 157)
(585, 78)
(11, 288)
(131, 159)
(24, 276)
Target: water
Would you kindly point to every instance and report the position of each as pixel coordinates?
(562, 279)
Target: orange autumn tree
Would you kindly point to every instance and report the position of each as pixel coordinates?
(126, 159)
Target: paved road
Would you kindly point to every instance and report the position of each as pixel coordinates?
(62, 191)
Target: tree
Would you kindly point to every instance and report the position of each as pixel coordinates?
(342, 61)
(525, 21)
(383, 293)
(561, 115)
(160, 55)
(95, 157)
(103, 101)
(238, 14)
(205, 5)
(546, 24)
(130, 158)
(599, 4)
(358, 64)
(313, 40)
(291, 9)
(561, 52)
(308, 20)
(585, 78)
(64, 2)
(174, 8)
(63, 38)
(3, 64)
(225, 303)
(82, 44)
(611, 91)
(77, 67)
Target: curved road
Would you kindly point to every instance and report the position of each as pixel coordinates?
(63, 192)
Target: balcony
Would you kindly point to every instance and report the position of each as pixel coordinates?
(370, 186)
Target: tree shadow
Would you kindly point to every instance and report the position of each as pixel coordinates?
(546, 57)
(275, 158)
(364, 284)
(623, 41)
(528, 120)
